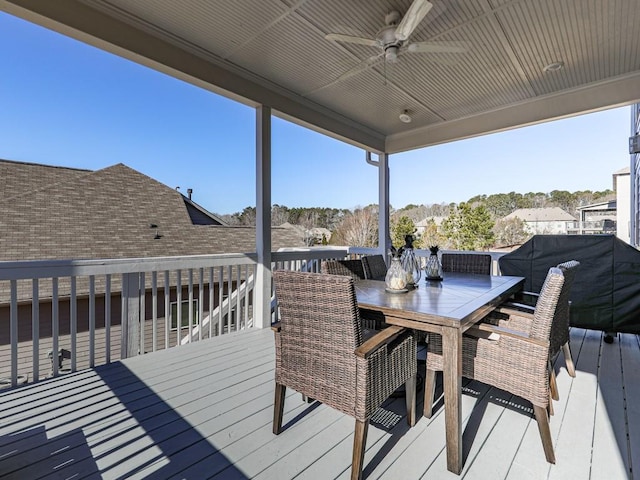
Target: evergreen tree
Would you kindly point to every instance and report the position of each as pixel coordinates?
(403, 226)
(469, 228)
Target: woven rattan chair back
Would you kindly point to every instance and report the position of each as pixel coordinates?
(546, 310)
(466, 263)
(326, 306)
(560, 331)
(352, 268)
(374, 267)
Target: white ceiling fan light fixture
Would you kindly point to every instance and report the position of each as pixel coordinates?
(405, 117)
(392, 40)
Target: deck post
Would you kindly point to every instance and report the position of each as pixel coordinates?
(384, 238)
(130, 341)
(262, 289)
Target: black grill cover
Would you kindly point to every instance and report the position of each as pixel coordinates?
(606, 291)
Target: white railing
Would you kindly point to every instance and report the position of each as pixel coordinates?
(60, 316)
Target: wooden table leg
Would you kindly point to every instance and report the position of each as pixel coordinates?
(452, 377)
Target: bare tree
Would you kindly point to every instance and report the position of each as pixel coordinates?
(279, 215)
(359, 229)
(510, 231)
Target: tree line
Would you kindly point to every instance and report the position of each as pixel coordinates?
(476, 224)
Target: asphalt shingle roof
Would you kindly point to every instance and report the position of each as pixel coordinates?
(551, 214)
(59, 213)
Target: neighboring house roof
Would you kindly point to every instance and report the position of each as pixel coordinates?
(319, 231)
(60, 213)
(290, 226)
(551, 214)
(20, 178)
(623, 171)
(608, 205)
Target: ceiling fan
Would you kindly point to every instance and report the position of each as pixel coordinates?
(392, 39)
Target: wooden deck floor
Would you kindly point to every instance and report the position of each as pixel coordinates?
(205, 411)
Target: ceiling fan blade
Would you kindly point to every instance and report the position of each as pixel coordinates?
(411, 19)
(349, 39)
(438, 47)
(362, 66)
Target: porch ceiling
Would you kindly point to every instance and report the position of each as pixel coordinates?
(274, 52)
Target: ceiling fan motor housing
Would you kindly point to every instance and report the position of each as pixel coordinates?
(387, 40)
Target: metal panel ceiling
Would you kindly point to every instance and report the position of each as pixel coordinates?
(276, 53)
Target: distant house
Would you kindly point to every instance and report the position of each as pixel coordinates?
(596, 218)
(552, 220)
(622, 187)
(310, 237)
(49, 213)
(613, 216)
(421, 226)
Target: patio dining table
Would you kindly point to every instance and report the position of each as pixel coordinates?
(448, 307)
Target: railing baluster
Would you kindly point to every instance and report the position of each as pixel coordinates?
(245, 296)
(107, 316)
(35, 327)
(92, 321)
(190, 311)
(73, 310)
(55, 349)
(179, 307)
(200, 302)
(211, 287)
(229, 291)
(167, 309)
(13, 331)
(238, 298)
(154, 309)
(142, 301)
(220, 300)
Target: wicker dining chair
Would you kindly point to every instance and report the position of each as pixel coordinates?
(370, 319)
(352, 268)
(375, 267)
(321, 353)
(512, 360)
(466, 263)
(559, 340)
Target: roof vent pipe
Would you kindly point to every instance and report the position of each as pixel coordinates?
(189, 192)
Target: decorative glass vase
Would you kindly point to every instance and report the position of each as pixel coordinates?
(410, 263)
(396, 278)
(433, 269)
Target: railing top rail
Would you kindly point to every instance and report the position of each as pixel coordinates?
(29, 269)
(308, 253)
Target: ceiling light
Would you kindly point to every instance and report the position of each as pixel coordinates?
(405, 117)
(553, 67)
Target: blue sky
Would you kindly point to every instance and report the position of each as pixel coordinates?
(69, 104)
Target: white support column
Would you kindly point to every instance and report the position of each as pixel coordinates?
(384, 236)
(262, 288)
(130, 320)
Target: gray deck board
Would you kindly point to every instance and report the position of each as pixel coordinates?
(205, 411)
